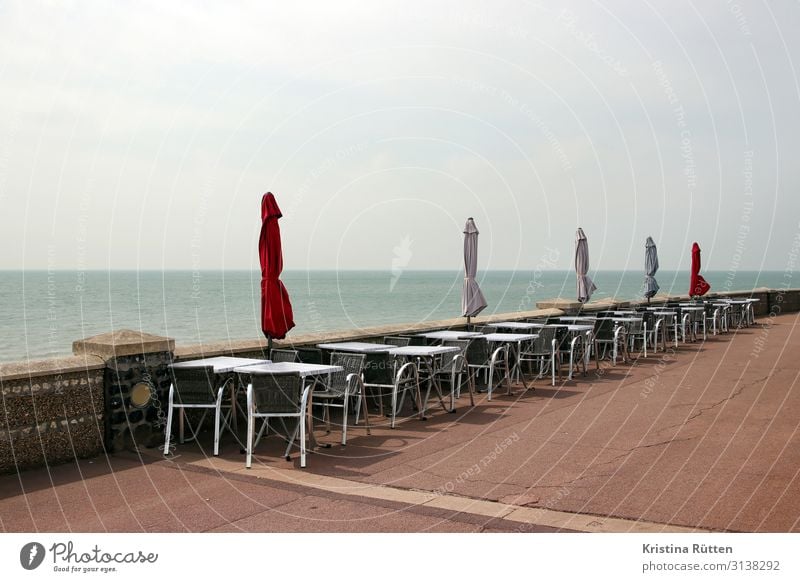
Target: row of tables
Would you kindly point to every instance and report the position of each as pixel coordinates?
(517, 333)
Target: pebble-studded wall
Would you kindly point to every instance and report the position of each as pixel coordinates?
(51, 418)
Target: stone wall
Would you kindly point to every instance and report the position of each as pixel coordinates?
(52, 412)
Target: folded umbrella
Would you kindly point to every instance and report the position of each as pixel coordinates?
(472, 299)
(276, 309)
(697, 286)
(650, 267)
(585, 285)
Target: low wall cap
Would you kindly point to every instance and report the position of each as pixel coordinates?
(122, 342)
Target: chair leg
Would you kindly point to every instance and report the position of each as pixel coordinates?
(250, 420)
(344, 420)
(216, 429)
(394, 404)
(453, 385)
(168, 431)
(366, 412)
(303, 440)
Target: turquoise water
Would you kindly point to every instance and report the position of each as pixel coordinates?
(42, 313)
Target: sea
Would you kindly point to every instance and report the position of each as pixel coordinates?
(43, 312)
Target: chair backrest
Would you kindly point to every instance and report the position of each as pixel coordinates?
(194, 385)
(604, 329)
(446, 362)
(634, 327)
(478, 352)
(309, 355)
(379, 369)
(648, 317)
(398, 341)
(351, 364)
(282, 355)
(544, 343)
(668, 319)
(276, 393)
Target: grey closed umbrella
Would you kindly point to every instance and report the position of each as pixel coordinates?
(585, 285)
(472, 300)
(650, 267)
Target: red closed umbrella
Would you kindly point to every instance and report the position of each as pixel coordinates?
(276, 309)
(697, 286)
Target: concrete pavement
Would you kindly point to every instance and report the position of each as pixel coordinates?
(703, 437)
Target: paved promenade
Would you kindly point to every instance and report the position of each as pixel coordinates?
(704, 437)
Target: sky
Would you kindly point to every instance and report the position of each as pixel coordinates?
(142, 135)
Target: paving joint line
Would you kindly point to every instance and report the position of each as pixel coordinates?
(525, 516)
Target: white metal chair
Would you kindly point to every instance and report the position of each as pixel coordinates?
(384, 372)
(193, 388)
(342, 386)
(453, 366)
(607, 332)
(480, 357)
(276, 396)
(542, 351)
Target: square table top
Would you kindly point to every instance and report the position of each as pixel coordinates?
(515, 325)
(423, 351)
(578, 318)
(357, 347)
(580, 327)
(221, 364)
(510, 337)
(289, 368)
(449, 334)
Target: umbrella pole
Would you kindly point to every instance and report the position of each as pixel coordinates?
(269, 345)
(468, 327)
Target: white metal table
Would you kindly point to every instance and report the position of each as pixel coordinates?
(425, 356)
(357, 347)
(516, 325)
(449, 334)
(512, 340)
(305, 371)
(221, 365)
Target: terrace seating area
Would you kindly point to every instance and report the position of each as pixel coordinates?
(383, 381)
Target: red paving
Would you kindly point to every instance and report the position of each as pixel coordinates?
(706, 437)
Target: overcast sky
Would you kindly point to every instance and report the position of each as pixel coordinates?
(143, 134)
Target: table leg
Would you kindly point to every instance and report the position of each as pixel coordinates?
(310, 413)
(517, 367)
(419, 393)
(433, 383)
